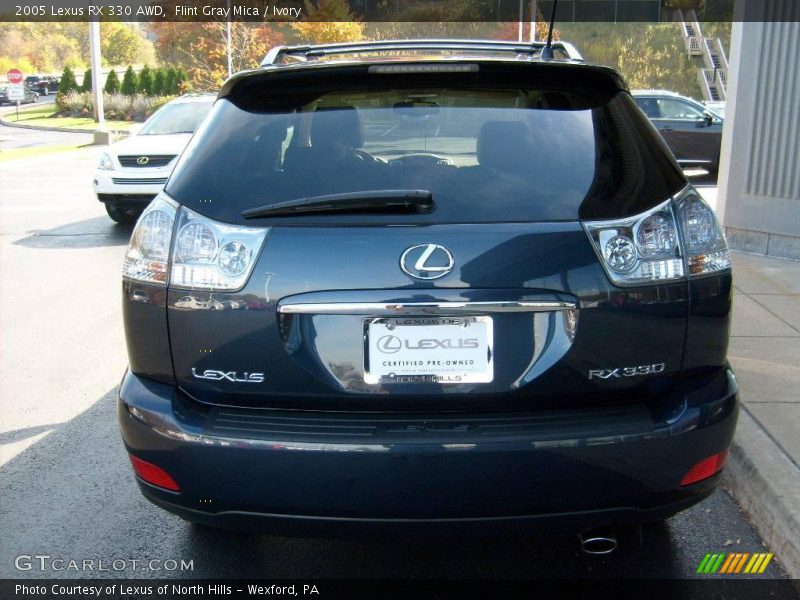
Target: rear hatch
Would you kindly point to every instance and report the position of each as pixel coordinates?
(490, 296)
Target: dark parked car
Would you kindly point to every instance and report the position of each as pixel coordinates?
(472, 292)
(43, 84)
(30, 95)
(692, 131)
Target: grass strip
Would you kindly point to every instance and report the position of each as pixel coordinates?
(42, 116)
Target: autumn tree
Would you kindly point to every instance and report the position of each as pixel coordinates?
(201, 48)
(405, 30)
(112, 83)
(510, 30)
(181, 82)
(128, 86)
(647, 60)
(40, 47)
(172, 40)
(328, 21)
(648, 55)
(122, 44)
(50, 46)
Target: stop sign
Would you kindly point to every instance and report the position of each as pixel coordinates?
(14, 76)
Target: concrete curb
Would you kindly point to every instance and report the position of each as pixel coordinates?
(116, 132)
(766, 484)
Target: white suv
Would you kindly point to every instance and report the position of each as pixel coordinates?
(132, 171)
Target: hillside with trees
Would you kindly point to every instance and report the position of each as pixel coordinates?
(49, 47)
(647, 55)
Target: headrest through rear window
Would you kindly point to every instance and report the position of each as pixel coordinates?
(505, 146)
(336, 126)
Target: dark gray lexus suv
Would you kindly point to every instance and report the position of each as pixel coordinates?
(426, 284)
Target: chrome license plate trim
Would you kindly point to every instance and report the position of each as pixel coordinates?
(444, 370)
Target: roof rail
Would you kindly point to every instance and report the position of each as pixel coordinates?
(307, 53)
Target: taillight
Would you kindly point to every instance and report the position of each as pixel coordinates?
(148, 252)
(639, 249)
(203, 254)
(705, 468)
(153, 474)
(703, 240)
(652, 247)
(208, 255)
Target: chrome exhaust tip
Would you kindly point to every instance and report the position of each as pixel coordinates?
(599, 541)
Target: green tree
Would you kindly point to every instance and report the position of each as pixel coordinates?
(145, 83)
(112, 83)
(87, 81)
(158, 82)
(68, 83)
(170, 85)
(128, 86)
(121, 43)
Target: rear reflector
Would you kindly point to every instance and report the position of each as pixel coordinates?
(705, 468)
(154, 475)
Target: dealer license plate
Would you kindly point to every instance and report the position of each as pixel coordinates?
(444, 350)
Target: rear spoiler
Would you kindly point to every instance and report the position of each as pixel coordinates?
(293, 54)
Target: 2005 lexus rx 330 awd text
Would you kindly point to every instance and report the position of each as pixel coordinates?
(473, 290)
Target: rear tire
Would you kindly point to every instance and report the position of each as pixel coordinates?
(123, 216)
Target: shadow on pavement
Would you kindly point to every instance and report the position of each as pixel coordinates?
(521, 556)
(22, 434)
(91, 233)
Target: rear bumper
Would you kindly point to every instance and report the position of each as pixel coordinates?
(309, 475)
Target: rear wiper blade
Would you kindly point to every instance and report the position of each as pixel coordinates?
(419, 201)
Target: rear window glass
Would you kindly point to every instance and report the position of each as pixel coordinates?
(486, 155)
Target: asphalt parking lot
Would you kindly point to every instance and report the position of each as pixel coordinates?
(66, 487)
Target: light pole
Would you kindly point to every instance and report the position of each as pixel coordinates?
(228, 32)
(101, 136)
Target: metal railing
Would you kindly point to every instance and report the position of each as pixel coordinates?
(720, 51)
(716, 71)
(692, 46)
(692, 34)
(705, 77)
(713, 54)
(721, 83)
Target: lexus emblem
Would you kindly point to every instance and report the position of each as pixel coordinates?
(142, 160)
(427, 261)
(389, 344)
